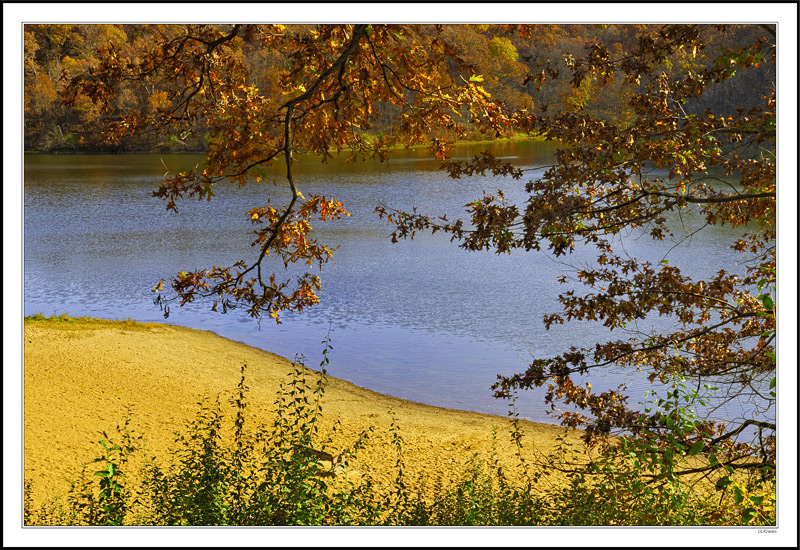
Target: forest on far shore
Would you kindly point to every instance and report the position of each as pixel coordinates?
(515, 70)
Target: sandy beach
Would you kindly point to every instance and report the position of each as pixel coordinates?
(80, 376)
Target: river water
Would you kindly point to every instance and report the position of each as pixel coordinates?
(422, 320)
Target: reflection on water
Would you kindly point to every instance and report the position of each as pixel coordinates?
(421, 320)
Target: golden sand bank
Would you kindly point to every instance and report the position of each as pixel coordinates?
(81, 375)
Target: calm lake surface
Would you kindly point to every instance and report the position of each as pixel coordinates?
(422, 320)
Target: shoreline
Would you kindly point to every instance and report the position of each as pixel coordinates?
(81, 374)
(468, 142)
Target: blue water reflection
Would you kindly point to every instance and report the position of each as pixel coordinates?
(422, 320)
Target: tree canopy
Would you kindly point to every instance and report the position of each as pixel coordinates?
(651, 121)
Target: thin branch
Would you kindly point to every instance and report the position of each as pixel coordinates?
(358, 32)
(664, 344)
(714, 200)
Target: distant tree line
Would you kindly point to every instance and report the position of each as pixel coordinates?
(514, 69)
